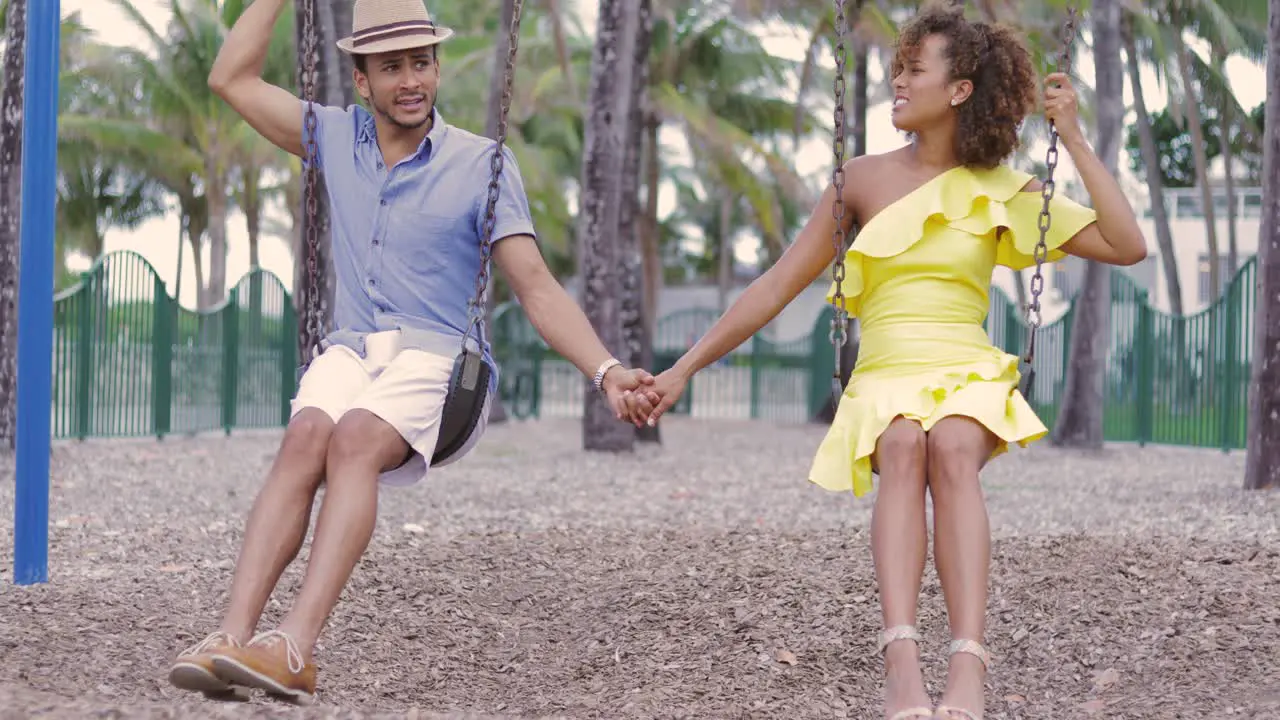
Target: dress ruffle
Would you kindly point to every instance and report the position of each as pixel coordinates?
(986, 394)
(978, 202)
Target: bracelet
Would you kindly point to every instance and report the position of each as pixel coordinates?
(605, 366)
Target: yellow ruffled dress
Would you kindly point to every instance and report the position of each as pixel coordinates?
(918, 277)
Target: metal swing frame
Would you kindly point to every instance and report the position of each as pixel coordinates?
(469, 381)
(839, 334)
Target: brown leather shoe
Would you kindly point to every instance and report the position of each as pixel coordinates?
(272, 663)
(193, 669)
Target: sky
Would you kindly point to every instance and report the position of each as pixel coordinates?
(157, 239)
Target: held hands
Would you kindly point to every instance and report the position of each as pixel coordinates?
(621, 386)
(649, 404)
(1061, 106)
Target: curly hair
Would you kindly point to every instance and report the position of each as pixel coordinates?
(998, 64)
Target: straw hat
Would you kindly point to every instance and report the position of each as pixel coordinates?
(379, 26)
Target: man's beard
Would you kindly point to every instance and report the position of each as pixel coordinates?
(428, 100)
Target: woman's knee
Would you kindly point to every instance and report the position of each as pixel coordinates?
(957, 450)
(902, 448)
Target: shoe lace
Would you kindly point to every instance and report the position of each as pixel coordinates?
(212, 639)
(292, 655)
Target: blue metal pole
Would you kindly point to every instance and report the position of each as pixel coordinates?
(35, 293)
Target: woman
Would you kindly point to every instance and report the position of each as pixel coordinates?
(931, 401)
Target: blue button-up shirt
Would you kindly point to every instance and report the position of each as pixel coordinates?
(406, 239)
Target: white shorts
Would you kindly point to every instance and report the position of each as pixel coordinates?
(406, 388)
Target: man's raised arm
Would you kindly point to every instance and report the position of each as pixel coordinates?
(237, 78)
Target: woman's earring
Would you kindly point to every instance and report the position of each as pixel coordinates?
(954, 102)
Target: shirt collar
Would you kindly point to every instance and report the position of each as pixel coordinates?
(439, 129)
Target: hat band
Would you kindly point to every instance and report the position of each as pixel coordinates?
(393, 30)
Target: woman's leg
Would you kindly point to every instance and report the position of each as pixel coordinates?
(899, 540)
(958, 447)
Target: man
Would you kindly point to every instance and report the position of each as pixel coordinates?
(407, 195)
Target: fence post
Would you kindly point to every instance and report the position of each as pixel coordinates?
(1011, 337)
(1227, 404)
(230, 359)
(288, 359)
(84, 355)
(755, 377)
(161, 361)
(1144, 393)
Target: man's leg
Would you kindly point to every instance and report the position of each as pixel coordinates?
(363, 446)
(405, 401)
(277, 523)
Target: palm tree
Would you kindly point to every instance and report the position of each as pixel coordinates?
(182, 108)
(1079, 421)
(711, 77)
(99, 185)
(1262, 465)
(610, 99)
(1229, 26)
(1155, 185)
(10, 211)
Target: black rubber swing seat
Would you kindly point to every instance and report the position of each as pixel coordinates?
(463, 405)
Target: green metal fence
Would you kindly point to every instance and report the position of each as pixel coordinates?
(128, 361)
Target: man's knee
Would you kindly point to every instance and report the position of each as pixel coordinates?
(307, 435)
(363, 439)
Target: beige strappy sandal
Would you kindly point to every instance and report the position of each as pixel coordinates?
(974, 648)
(892, 635)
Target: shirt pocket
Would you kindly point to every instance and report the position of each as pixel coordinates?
(428, 243)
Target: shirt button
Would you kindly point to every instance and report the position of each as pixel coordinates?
(372, 281)
(375, 243)
(384, 201)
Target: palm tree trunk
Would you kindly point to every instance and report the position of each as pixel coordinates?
(608, 115)
(501, 48)
(562, 47)
(1155, 185)
(195, 235)
(184, 221)
(1228, 170)
(251, 205)
(337, 17)
(635, 331)
(216, 196)
(1202, 166)
(252, 208)
(1262, 462)
(1079, 422)
(10, 214)
(724, 252)
(650, 239)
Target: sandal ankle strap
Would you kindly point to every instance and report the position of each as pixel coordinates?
(896, 633)
(973, 647)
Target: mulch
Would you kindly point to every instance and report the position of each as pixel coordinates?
(702, 579)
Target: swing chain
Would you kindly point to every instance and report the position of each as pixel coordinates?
(312, 329)
(839, 334)
(1041, 252)
(475, 305)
